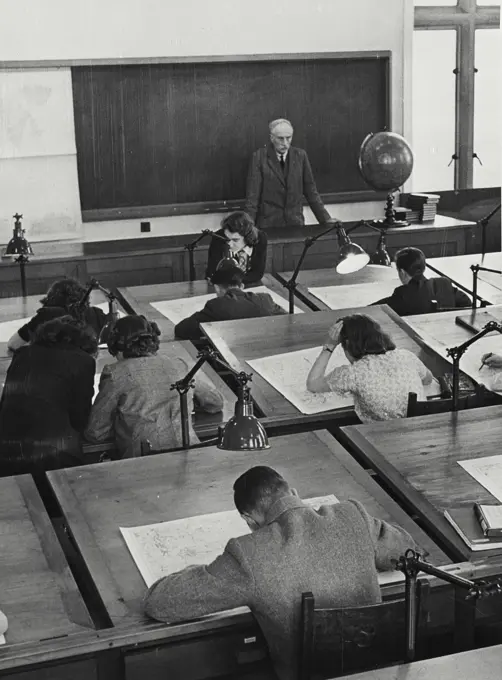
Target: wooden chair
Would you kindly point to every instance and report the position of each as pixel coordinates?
(340, 641)
(423, 408)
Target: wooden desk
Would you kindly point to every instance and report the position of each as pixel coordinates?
(96, 500)
(22, 309)
(442, 328)
(458, 270)
(240, 341)
(417, 458)
(372, 275)
(205, 424)
(477, 664)
(138, 299)
(38, 593)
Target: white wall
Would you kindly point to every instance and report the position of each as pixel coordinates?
(37, 30)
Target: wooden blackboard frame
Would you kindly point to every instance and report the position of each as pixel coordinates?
(171, 209)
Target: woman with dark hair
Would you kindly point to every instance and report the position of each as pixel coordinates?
(47, 399)
(417, 294)
(135, 402)
(246, 247)
(62, 298)
(379, 377)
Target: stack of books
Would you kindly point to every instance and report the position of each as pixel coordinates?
(422, 207)
(479, 526)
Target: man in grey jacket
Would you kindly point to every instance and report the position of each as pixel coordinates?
(334, 552)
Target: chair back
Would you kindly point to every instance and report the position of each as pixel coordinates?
(340, 641)
(476, 399)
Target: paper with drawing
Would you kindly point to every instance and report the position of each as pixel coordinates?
(177, 310)
(288, 372)
(167, 547)
(487, 471)
(354, 295)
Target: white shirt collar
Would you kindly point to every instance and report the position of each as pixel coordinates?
(284, 155)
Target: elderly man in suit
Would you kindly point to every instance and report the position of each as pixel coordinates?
(279, 177)
(334, 552)
(231, 302)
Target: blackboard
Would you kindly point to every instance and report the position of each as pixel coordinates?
(168, 138)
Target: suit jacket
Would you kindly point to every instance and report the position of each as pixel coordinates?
(417, 295)
(274, 198)
(334, 552)
(44, 408)
(135, 404)
(218, 250)
(235, 304)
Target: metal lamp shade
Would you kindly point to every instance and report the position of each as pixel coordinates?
(243, 432)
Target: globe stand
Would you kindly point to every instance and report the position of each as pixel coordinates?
(390, 221)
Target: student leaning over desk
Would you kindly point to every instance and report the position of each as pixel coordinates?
(47, 398)
(135, 403)
(379, 377)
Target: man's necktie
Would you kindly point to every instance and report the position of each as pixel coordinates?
(281, 160)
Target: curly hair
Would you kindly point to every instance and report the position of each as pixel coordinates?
(240, 222)
(134, 336)
(361, 335)
(66, 330)
(65, 293)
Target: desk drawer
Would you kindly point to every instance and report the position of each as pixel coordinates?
(209, 657)
(74, 670)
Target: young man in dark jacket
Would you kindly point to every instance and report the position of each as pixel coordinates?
(231, 302)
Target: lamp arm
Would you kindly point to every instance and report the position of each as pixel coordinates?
(457, 352)
(484, 220)
(205, 232)
(291, 284)
(364, 223)
(205, 355)
(475, 268)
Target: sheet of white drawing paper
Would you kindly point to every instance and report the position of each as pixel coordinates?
(487, 471)
(288, 372)
(167, 547)
(353, 295)
(8, 328)
(177, 310)
(104, 307)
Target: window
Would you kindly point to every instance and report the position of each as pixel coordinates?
(433, 109)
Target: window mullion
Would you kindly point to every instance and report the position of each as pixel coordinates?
(464, 113)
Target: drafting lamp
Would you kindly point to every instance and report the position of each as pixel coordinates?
(483, 222)
(351, 258)
(476, 268)
(456, 353)
(112, 315)
(190, 247)
(380, 256)
(411, 564)
(19, 250)
(243, 432)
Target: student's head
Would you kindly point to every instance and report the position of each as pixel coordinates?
(256, 491)
(281, 134)
(133, 336)
(239, 229)
(410, 263)
(64, 331)
(227, 276)
(360, 335)
(64, 293)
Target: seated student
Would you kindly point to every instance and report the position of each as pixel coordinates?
(335, 552)
(417, 293)
(246, 247)
(61, 299)
(231, 302)
(135, 403)
(47, 398)
(379, 377)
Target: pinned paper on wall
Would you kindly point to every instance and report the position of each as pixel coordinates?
(487, 471)
(353, 295)
(167, 547)
(179, 309)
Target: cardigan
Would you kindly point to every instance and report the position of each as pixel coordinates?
(334, 552)
(218, 250)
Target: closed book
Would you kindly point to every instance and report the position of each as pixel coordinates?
(466, 524)
(475, 321)
(490, 519)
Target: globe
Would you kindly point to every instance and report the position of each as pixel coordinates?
(385, 160)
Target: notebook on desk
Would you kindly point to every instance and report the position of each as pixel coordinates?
(465, 521)
(476, 320)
